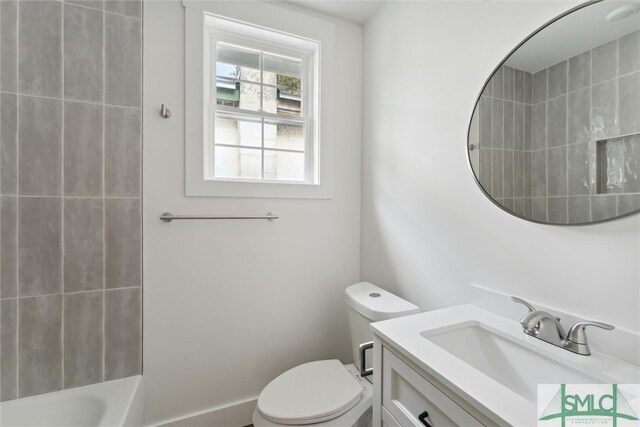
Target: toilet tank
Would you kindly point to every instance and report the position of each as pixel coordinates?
(367, 303)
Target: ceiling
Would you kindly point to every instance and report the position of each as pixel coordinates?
(356, 11)
(574, 34)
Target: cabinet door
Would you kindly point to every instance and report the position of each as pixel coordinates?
(407, 396)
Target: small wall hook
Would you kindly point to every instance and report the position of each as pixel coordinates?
(165, 113)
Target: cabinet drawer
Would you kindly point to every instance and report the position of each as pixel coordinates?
(388, 420)
(406, 395)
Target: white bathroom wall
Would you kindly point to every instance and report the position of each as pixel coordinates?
(229, 305)
(427, 230)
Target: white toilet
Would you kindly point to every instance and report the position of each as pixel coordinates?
(326, 392)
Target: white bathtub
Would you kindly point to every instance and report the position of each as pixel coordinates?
(112, 403)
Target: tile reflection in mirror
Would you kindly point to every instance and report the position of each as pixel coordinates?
(561, 143)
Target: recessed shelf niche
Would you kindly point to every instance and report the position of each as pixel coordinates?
(618, 165)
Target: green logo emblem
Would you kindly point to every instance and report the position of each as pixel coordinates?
(564, 406)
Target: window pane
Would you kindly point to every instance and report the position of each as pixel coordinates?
(283, 165)
(238, 163)
(232, 130)
(283, 72)
(270, 100)
(286, 75)
(289, 103)
(242, 95)
(286, 136)
(236, 63)
(276, 101)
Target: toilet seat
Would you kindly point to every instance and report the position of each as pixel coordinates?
(310, 393)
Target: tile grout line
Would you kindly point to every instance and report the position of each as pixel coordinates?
(77, 101)
(617, 102)
(0, 199)
(566, 131)
(591, 183)
(121, 288)
(523, 136)
(494, 136)
(1, 358)
(62, 258)
(31, 196)
(102, 10)
(140, 192)
(104, 200)
(587, 87)
(501, 156)
(18, 7)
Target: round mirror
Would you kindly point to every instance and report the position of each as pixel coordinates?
(555, 134)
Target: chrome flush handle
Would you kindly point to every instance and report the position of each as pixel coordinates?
(363, 359)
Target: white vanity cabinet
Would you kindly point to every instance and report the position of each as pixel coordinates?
(404, 395)
(466, 366)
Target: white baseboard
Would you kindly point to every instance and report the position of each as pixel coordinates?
(236, 414)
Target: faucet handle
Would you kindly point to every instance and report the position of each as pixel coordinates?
(577, 335)
(529, 306)
(523, 302)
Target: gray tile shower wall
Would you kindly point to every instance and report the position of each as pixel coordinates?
(505, 117)
(571, 109)
(70, 193)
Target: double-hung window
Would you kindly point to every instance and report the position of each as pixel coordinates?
(262, 99)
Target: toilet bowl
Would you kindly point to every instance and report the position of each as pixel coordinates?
(326, 392)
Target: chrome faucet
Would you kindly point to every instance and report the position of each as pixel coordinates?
(546, 327)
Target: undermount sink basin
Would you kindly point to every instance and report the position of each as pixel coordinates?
(489, 362)
(510, 363)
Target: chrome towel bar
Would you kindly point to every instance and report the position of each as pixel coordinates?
(168, 217)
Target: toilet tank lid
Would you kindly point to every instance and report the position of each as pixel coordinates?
(376, 303)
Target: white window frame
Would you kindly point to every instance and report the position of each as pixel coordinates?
(204, 26)
(309, 118)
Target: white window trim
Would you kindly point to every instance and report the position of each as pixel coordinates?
(196, 109)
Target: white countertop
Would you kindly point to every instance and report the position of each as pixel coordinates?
(495, 400)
